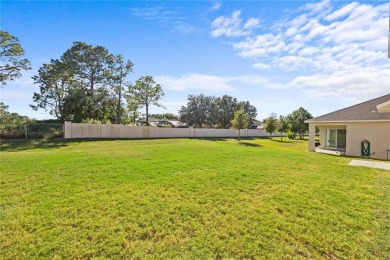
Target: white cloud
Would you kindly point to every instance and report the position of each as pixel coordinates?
(261, 66)
(212, 83)
(233, 26)
(345, 10)
(330, 49)
(371, 82)
(307, 34)
(195, 82)
(251, 23)
(167, 17)
(216, 6)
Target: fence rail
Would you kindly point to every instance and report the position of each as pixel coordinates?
(80, 130)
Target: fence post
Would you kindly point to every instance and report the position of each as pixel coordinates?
(25, 131)
(68, 129)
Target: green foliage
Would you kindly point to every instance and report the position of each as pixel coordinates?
(271, 123)
(132, 110)
(12, 125)
(167, 116)
(146, 92)
(241, 120)
(119, 70)
(225, 108)
(291, 135)
(209, 111)
(148, 199)
(198, 112)
(11, 62)
(283, 126)
(55, 83)
(86, 82)
(297, 121)
(91, 121)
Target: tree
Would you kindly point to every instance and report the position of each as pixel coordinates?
(54, 82)
(91, 68)
(167, 116)
(119, 71)
(146, 92)
(225, 106)
(297, 121)
(199, 111)
(240, 121)
(271, 123)
(249, 109)
(282, 126)
(132, 109)
(84, 83)
(214, 112)
(11, 63)
(12, 125)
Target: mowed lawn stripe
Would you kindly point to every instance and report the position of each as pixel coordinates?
(188, 198)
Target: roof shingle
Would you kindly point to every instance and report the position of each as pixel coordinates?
(360, 112)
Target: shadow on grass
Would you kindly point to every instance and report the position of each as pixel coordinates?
(212, 139)
(283, 141)
(15, 145)
(249, 144)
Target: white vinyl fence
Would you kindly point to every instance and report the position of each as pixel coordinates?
(78, 130)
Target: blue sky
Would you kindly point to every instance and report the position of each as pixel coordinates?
(279, 55)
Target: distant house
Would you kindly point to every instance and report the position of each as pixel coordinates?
(255, 124)
(362, 129)
(171, 124)
(153, 121)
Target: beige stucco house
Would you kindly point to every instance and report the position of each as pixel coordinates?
(348, 130)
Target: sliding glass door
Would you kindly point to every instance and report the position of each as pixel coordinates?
(336, 138)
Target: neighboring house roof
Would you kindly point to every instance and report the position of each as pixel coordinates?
(150, 119)
(366, 111)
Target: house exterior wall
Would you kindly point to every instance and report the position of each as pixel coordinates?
(378, 133)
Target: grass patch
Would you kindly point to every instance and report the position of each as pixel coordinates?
(188, 198)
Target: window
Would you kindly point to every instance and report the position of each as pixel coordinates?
(336, 138)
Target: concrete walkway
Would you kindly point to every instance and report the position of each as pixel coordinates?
(332, 152)
(380, 165)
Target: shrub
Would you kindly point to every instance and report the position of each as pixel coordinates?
(291, 135)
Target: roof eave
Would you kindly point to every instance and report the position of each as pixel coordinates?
(348, 121)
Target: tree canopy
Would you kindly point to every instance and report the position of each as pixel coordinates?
(240, 120)
(146, 92)
(84, 83)
(271, 123)
(297, 121)
(282, 126)
(210, 111)
(11, 61)
(199, 111)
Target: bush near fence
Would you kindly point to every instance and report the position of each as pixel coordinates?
(34, 130)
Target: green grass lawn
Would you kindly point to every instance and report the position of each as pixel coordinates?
(188, 198)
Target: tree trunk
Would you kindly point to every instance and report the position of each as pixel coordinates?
(120, 97)
(147, 115)
(119, 106)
